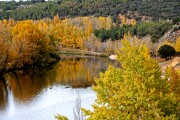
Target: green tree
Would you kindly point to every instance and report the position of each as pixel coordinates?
(166, 51)
(134, 92)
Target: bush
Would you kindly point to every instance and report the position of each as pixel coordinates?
(166, 51)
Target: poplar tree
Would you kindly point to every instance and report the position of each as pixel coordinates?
(136, 91)
(177, 45)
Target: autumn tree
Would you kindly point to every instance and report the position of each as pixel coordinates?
(134, 92)
(48, 46)
(5, 43)
(66, 34)
(177, 45)
(105, 22)
(173, 77)
(133, 22)
(87, 24)
(24, 42)
(31, 45)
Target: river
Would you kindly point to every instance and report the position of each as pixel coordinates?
(39, 94)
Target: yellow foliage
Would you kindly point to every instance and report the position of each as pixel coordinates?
(26, 30)
(126, 21)
(133, 22)
(173, 77)
(67, 34)
(56, 19)
(102, 21)
(5, 43)
(177, 45)
(61, 117)
(134, 91)
(26, 37)
(109, 23)
(123, 20)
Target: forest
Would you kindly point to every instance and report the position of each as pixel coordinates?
(138, 9)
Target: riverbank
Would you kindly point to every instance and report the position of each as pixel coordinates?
(51, 61)
(41, 64)
(81, 52)
(175, 62)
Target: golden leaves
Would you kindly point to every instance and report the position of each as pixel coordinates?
(177, 45)
(135, 91)
(66, 34)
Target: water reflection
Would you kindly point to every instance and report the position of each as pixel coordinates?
(22, 87)
(3, 93)
(78, 72)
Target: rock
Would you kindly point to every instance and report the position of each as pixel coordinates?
(113, 57)
(67, 87)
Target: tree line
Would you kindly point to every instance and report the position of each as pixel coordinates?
(38, 42)
(26, 43)
(141, 29)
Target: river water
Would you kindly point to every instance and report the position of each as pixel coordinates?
(39, 94)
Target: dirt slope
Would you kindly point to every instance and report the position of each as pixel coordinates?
(175, 62)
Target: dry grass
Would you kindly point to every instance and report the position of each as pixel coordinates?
(175, 62)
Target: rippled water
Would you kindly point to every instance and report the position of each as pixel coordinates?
(40, 94)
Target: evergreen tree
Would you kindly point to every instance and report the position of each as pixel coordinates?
(166, 51)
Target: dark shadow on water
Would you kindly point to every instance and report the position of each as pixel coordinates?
(3, 93)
